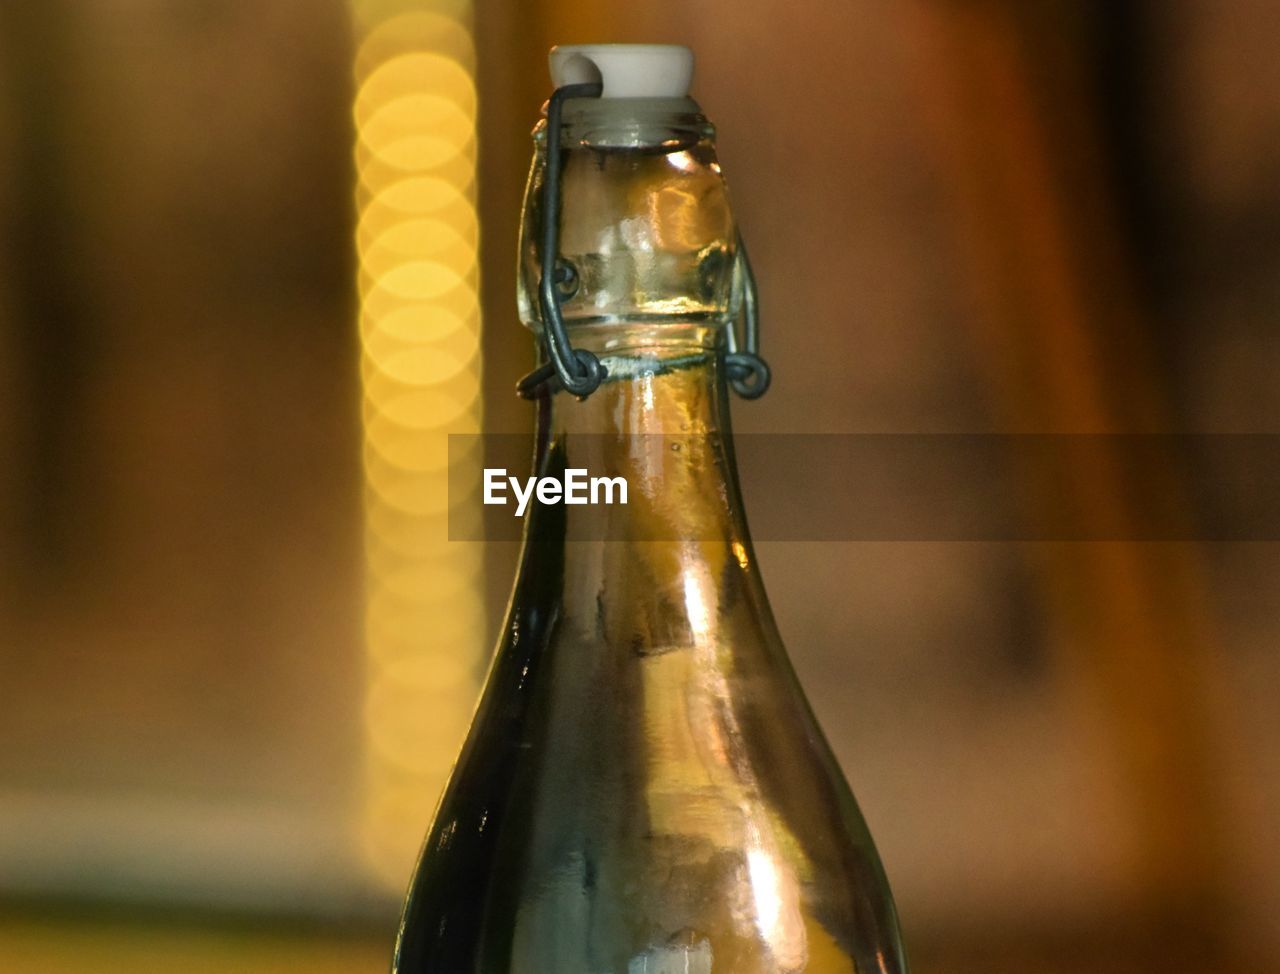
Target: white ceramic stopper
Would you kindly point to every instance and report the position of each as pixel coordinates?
(627, 70)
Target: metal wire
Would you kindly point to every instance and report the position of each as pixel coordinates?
(577, 370)
(748, 373)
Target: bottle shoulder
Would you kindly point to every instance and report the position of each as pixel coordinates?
(619, 801)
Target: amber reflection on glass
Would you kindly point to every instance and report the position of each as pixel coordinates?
(644, 789)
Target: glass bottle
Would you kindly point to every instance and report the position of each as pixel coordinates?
(644, 789)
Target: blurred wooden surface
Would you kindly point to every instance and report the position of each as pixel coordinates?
(121, 946)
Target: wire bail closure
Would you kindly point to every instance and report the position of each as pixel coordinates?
(577, 370)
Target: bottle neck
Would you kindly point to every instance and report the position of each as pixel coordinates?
(660, 421)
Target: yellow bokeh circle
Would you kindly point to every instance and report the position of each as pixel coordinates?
(390, 34)
(416, 72)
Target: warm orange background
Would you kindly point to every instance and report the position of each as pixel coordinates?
(965, 217)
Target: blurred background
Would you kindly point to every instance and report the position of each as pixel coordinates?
(257, 260)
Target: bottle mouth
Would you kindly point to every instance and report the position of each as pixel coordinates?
(625, 70)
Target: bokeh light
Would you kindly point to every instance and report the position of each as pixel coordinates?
(415, 115)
